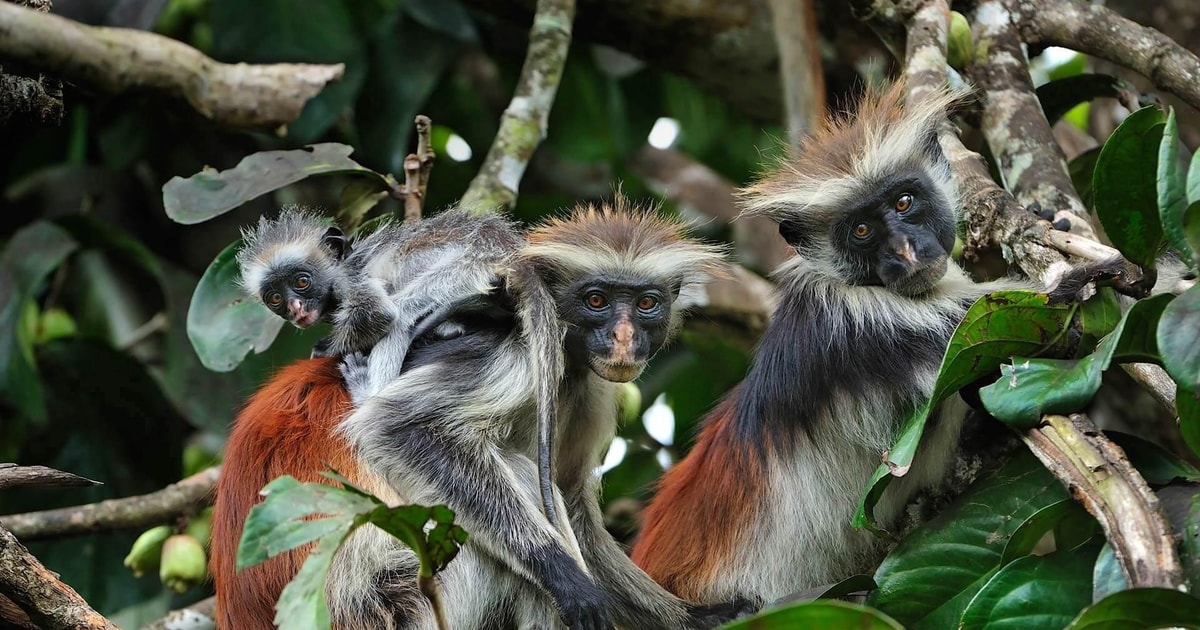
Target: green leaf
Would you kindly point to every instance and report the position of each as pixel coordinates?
(1060, 96)
(1125, 184)
(211, 193)
(997, 327)
(1139, 609)
(1034, 593)
(1157, 465)
(1097, 317)
(1188, 405)
(1178, 340)
(449, 17)
(1026, 537)
(822, 614)
(1180, 503)
(1031, 388)
(1191, 228)
(1136, 334)
(1193, 178)
(29, 257)
(928, 579)
(1081, 170)
(302, 604)
(223, 323)
(1107, 576)
(1172, 191)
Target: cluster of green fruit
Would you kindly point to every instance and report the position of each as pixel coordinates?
(179, 557)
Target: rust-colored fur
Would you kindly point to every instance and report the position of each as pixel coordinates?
(285, 429)
(718, 480)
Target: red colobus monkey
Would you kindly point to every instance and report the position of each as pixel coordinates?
(761, 506)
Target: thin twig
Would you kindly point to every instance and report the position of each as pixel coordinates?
(185, 497)
(36, 590)
(523, 124)
(1156, 381)
(116, 60)
(417, 167)
(1100, 477)
(14, 476)
(1096, 30)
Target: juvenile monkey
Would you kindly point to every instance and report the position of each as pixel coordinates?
(761, 506)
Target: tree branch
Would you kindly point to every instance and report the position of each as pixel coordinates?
(14, 476)
(1096, 30)
(523, 124)
(37, 591)
(1030, 161)
(185, 497)
(417, 167)
(800, 68)
(115, 60)
(1100, 477)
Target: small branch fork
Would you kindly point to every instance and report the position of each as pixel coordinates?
(417, 167)
(1095, 470)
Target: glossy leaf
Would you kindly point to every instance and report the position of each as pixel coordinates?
(1031, 388)
(1180, 503)
(822, 614)
(29, 257)
(211, 193)
(223, 323)
(1126, 189)
(1188, 405)
(1193, 178)
(1061, 95)
(1139, 609)
(1107, 576)
(1034, 593)
(1191, 228)
(1026, 537)
(1172, 191)
(1178, 341)
(995, 328)
(929, 578)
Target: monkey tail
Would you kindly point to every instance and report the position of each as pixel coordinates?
(543, 334)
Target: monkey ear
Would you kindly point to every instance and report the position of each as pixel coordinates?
(335, 241)
(932, 148)
(791, 232)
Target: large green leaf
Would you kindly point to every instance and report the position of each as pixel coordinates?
(1191, 228)
(1193, 178)
(1178, 341)
(1180, 503)
(996, 328)
(823, 614)
(929, 578)
(210, 193)
(1107, 575)
(1172, 191)
(1031, 388)
(31, 255)
(223, 323)
(1126, 189)
(1026, 537)
(1139, 609)
(1034, 593)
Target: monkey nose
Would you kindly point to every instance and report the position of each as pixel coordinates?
(906, 253)
(622, 333)
(295, 307)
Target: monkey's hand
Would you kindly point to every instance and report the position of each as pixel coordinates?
(322, 349)
(356, 373)
(582, 605)
(705, 616)
(364, 317)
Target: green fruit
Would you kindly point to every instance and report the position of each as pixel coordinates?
(147, 549)
(629, 402)
(200, 526)
(183, 563)
(56, 324)
(960, 48)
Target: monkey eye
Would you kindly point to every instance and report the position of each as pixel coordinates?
(647, 302)
(596, 300)
(274, 298)
(862, 230)
(903, 203)
(302, 281)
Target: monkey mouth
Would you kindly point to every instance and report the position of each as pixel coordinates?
(923, 279)
(305, 319)
(617, 371)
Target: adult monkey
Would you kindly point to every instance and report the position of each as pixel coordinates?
(465, 381)
(761, 506)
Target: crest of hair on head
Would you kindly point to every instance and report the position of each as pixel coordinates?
(851, 152)
(625, 239)
(296, 234)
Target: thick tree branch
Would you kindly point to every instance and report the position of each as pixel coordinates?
(523, 124)
(1030, 161)
(185, 497)
(1096, 30)
(14, 476)
(37, 591)
(114, 60)
(802, 76)
(1100, 477)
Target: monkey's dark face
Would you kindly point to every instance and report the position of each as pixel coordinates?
(900, 236)
(298, 294)
(617, 323)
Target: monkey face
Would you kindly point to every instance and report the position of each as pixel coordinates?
(298, 294)
(617, 324)
(899, 237)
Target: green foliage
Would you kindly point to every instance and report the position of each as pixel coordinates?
(223, 323)
(1034, 592)
(1178, 341)
(1140, 608)
(818, 615)
(295, 514)
(1125, 186)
